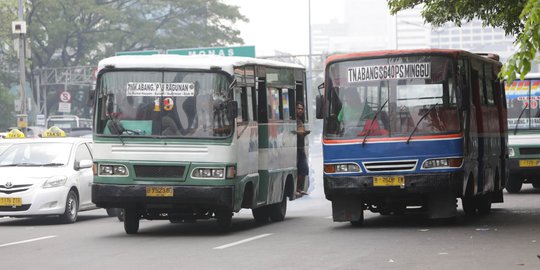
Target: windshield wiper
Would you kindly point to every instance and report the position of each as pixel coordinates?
(520, 114)
(118, 129)
(51, 164)
(373, 120)
(420, 120)
(20, 164)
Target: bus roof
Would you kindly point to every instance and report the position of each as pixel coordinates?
(203, 62)
(385, 53)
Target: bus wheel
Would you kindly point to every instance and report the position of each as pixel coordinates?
(260, 214)
(514, 184)
(484, 203)
(469, 205)
(223, 220)
(277, 211)
(131, 220)
(359, 221)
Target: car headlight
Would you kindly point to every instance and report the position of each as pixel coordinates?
(112, 170)
(55, 181)
(342, 168)
(442, 163)
(511, 152)
(213, 173)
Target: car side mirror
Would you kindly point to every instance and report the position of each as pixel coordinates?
(84, 164)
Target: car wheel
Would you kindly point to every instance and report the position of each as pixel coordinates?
(72, 208)
(131, 220)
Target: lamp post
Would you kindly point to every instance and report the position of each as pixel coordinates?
(19, 28)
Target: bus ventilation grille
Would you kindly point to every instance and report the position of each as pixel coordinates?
(529, 150)
(159, 171)
(390, 166)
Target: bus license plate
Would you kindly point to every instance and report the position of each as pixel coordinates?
(159, 192)
(10, 201)
(389, 181)
(529, 163)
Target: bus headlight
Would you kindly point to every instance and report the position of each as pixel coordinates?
(342, 168)
(511, 152)
(213, 173)
(442, 163)
(112, 170)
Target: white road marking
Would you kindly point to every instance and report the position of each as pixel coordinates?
(28, 241)
(243, 241)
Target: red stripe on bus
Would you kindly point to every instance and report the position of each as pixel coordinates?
(430, 137)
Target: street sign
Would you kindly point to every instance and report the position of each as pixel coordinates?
(248, 51)
(146, 52)
(65, 96)
(64, 107)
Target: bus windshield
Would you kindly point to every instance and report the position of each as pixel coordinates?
(157, 103)
(522, 98)
(391, 97)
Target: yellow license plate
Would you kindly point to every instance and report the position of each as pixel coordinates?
(10, 201)
(388, 181)
(529, 163)
(159, 192)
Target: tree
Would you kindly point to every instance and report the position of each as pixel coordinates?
(80, 32)
(515, 17)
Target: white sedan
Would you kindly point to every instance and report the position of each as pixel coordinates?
(46, 176)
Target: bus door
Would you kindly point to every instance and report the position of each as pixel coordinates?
(479, 103)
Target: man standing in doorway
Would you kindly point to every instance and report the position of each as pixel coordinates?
(301, 164)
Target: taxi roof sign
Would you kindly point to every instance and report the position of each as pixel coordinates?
(54, 132)
(15, 134)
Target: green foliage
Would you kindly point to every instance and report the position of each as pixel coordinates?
(516, 17)
(81, 32)
(527, 43)
(6, 108)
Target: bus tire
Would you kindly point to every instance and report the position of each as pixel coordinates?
(484, 203)
(359, 222)
(260, 214)
(469, 205)
(224, 220)
(277, 211)
(514, 184)
(131, 220)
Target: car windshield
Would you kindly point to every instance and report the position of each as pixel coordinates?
(391, 97)
(170, 104)
(522, 102)
(36, 154)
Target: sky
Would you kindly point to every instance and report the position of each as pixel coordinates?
(282, 25)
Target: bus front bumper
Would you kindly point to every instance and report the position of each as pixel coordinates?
(124, 196)
(415, 185)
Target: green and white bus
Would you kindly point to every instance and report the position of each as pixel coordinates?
(523, 99)
(183, 138)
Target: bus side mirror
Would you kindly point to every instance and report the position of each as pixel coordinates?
(91, 98)
(319, 107)
(232, 109)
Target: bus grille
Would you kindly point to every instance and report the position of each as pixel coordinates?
(390, 166)
(159, 171)
(529, 151)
